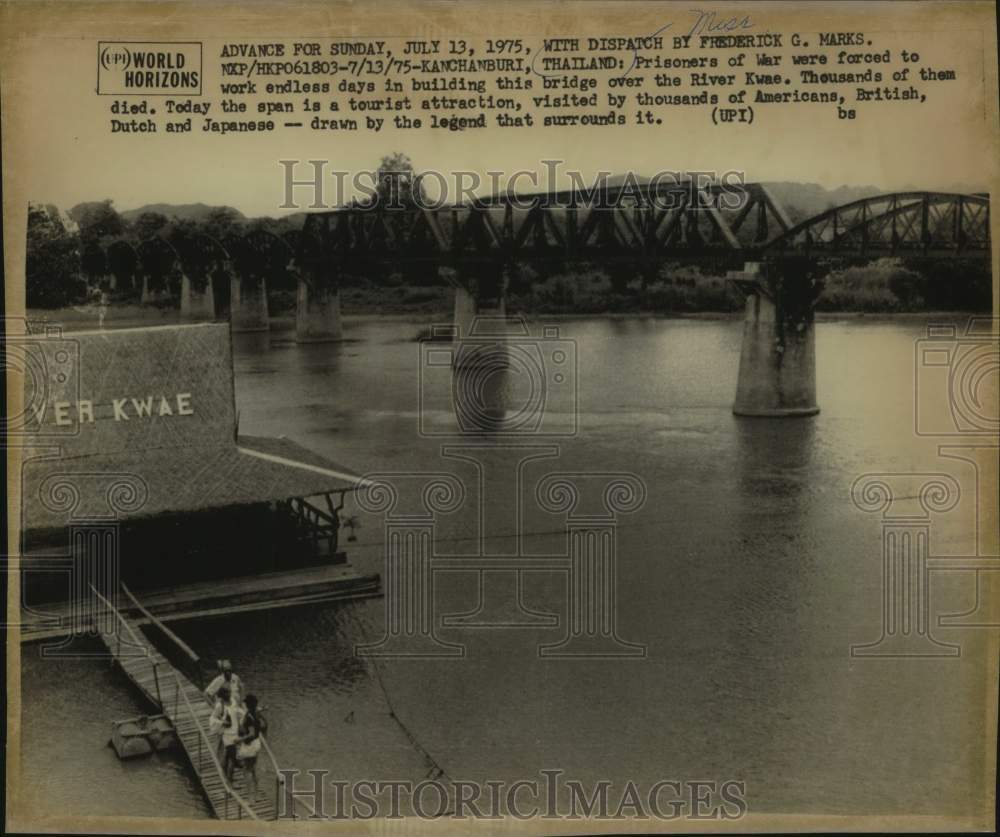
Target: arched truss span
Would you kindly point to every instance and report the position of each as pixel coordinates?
(897, 224)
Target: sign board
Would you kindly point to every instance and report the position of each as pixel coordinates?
(108, 392)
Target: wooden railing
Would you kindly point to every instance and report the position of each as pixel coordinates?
(179, 693)
(318, 524)
(204, 742)
(279, 781)
(312, 513)
(193, 667)
(243, 808)
(136, 641)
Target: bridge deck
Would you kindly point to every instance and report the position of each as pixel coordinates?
(184, 704)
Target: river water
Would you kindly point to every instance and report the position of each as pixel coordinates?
(747, 575)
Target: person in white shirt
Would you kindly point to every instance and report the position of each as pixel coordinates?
(228, 679)
(226, 718)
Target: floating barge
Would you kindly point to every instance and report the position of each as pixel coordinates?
(145, 479)
(265, 591)
(185, 717)
(135, 737)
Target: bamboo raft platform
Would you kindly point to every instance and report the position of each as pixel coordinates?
(264, 591)
(184, 704)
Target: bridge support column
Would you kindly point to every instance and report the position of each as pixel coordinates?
(151, 296)
(480, 307)
(197, 304)
(481, 356)
(317, 313)
(465, 312)
(248, 305)
(777, 376)
(469, 308)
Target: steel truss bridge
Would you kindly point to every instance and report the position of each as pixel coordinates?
(636, 226)
(646, 228)
(902, 223)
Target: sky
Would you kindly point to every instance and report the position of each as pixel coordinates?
(71, 156)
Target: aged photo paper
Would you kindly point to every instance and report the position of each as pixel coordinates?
(554, 417)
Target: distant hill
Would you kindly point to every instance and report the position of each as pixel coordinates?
(800, 201)
(803, 200)
(200, 211)
(181, 211)
(295, 221)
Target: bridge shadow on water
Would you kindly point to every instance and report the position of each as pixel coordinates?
(775, 458)
(496, 391)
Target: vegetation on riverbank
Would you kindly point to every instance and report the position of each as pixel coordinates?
(883, 286)
(69, 263)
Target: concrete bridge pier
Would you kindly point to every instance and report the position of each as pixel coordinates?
(469, 309)
(777, 376)
(317, 312)
(197, 303)
(480, 305)
(481, 357)
(148, 295)
(248, 304)
(465, 312)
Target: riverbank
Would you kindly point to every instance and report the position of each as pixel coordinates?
(885, 287)
(78, 318)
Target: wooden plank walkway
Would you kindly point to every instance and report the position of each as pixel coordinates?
(264, 591)
(185, 705)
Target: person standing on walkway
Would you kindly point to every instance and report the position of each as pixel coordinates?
(250, 742)
(228, 679)
(226, 719)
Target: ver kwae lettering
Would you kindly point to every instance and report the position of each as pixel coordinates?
(127, 408)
